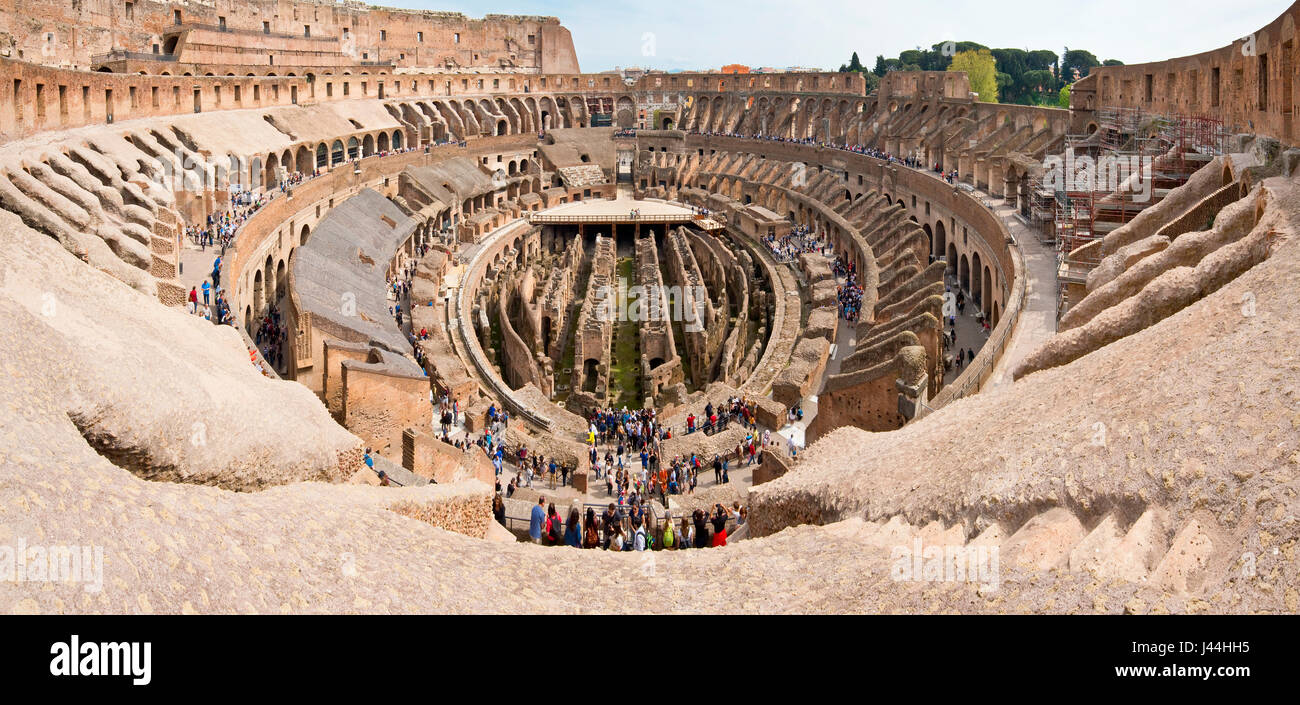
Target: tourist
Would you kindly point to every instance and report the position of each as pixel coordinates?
(700, 537)
(639, 538)
(738, 514)
(554, 527)
(591, 533)
(499, 508)
(537, 522)
(610, 522)
(719, 526)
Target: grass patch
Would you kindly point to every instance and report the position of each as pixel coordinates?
(625, 369)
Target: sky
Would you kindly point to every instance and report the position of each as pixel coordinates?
(707, 34)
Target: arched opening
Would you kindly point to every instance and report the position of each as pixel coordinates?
(589, 375)
(302, 236)
(302, 160)
(952, 259)
(279, 280)
(940, 239)
(368, 145)
(987, 292)
(976, 274)
(963, 274)
(322, 156)
(336, 153)
(397, 139)
(259, 297)
(272, 178)
(383, 142)
(271, 285)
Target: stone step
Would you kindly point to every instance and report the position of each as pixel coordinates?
(994, 535)
(1143, 546)
(1182, 569)
(934, 533)
(895, 532)
(1045, 541)
(1095, 552)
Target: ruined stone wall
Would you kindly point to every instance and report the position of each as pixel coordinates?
(1248, 84)
(701, 332)
(59, 33)
(464, 508)
(660, 363)
(333, 353)
(378, 405)
(427, 456)
(594, 331)
(517, 364)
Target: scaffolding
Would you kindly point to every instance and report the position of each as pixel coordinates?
(1154, 151)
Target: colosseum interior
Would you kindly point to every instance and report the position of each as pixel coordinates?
(421, 215)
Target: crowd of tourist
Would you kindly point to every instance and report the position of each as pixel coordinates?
(221, 226)
(631, 528)
(270, 337)
(799, 240)
(741, 409)
(849, 295)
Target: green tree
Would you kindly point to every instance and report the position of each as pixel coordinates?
(981, 70)
(1064, 100)
(1078, 59)
(881, 69)
(855, 64)
(1112, 62)
(873, 81)
(1041, 60)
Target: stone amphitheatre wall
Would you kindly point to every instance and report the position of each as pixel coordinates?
(1248, 84)
(379, 401)
(847, 195)
(518, 366)
(1196, 466)
(283, 224)
(57, 33)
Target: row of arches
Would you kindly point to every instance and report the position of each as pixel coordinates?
(785, 116)
(441, 120)
(323, 156)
